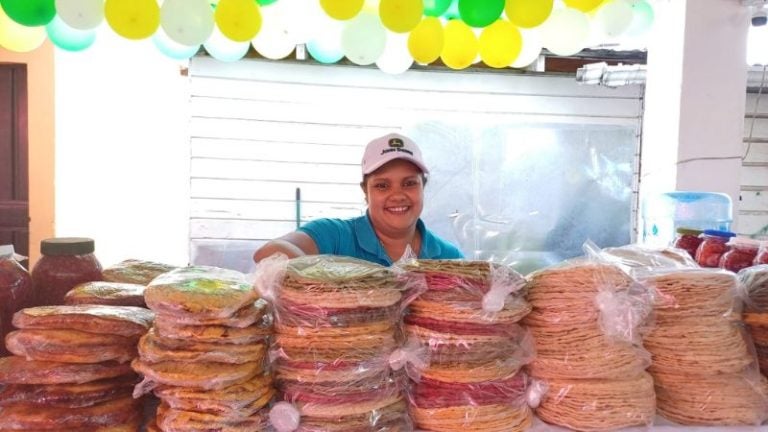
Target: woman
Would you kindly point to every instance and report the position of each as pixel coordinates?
(394, 176)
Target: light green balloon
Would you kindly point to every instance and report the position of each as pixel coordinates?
(363, 39)
(68, 38)
(171, 48)
(642, 19)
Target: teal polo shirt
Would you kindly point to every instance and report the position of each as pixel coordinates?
(356, 238)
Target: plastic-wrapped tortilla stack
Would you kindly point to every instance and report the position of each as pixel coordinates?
(336, 327)
(467, 322)
(584, 320)
(71, 369)
(205, 357)
(703, 363)
(755, 281)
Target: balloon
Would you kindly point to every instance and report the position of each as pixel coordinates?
(19, 38)
(426, 41)
(531, 48)
(400, 16)
(239, 20)
(172, 49)
(528, 13)
(435, 8)
(187, 22)
(395, 59)
(500, 44)
(265, 2)
(30, 12)
(363, 39)
(342, 9)
(480, 13)
(453, 11)
(272, 41)
(132, 19)
(224, 49)
(642, 18)
(566, 32)
(68, 38)
(614, 18)
(325, 47)
(301, 27)
(460, 47)
(583, 5)
(81, 14)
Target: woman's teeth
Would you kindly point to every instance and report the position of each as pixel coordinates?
(397, 209)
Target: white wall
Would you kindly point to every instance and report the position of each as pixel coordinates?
(122, 150)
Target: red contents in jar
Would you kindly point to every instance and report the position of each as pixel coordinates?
(688, 240)
(713, 246)
(16, 293)
(741, 255)
(66, 262)
(762, 256)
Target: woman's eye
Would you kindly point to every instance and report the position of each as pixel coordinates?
(411, 183)
(380, 186)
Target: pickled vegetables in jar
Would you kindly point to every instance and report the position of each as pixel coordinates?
(688, 240)
(65, 262)
(16, 291)
(742, 254)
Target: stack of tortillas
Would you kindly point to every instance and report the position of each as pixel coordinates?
(755, 281)
(467, 319)
(205, 356)
(71, 369)
(595, 373)
(703, 365)
(336, 326)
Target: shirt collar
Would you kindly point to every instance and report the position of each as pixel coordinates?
(368, 241)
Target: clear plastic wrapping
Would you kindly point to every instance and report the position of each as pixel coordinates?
(702, 355)
(755, 282)
(135, 271)
(106, 293)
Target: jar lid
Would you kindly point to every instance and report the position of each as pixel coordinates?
(67, 246)
(726, 234)
(7, 251)
(688, 231)
(744, 242)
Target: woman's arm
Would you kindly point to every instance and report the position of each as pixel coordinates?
(293, 245)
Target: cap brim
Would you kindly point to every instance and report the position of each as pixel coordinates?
(381, 163)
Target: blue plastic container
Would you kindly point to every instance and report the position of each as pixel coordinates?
(663, 214)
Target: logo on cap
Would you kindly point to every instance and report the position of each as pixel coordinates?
(396, 143)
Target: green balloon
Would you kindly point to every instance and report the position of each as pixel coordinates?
(68, 38)
(265, 2)
(480, 13)
(30, 13)
(436, 8)
(642, 19)
(453, 11)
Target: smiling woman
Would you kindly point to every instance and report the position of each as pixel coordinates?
(394, 176)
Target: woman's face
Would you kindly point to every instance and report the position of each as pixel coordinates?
(395, 195)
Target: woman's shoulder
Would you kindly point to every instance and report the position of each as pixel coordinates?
(435, 247)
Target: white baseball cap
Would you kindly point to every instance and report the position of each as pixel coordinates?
(390, 147)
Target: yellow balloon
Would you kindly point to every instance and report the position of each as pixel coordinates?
(500, 44)
(401, 16)
(528, 13)
(342, 9)
(238, 20)
(460, 48)
(583, 5)
(19, 38)
(426, 41)
(133, 19)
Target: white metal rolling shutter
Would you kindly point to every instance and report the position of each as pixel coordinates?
(260, 129)
(753, 209)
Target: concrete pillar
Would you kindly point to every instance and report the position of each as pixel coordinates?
(695, 96)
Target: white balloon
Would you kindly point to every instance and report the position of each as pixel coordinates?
(614, 18)
(188, 22)
(81, 14)
(224, 49)
(363, 39)
(325, 47)
(396, 58)
(273, 41)
(303, 19)
(531, 49)
(566, 32)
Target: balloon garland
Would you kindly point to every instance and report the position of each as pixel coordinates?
(393, 34)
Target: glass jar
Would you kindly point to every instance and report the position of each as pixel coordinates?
(762, 254)
(65, 262)
(688, 240)
(16, 291)
(741, 255)
(714, 244)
